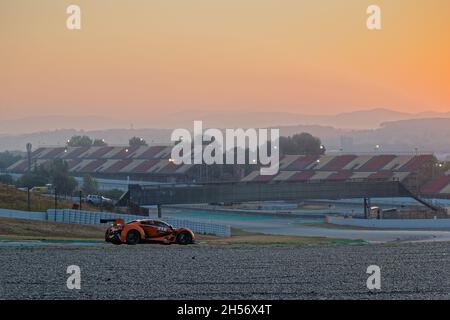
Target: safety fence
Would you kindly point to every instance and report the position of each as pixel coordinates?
(220, 230)
(93, 217)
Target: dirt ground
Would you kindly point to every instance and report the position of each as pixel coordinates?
(15, 199)
(33, 229)
(211, 272)
(12, 229)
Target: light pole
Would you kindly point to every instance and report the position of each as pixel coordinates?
(29, 147)
(28, 199)
(56, 200)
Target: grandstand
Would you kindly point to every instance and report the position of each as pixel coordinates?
(439, 187)
(152, 163)
(408, 169)
(114, 162)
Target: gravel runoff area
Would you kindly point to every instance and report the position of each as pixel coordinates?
(408, 271)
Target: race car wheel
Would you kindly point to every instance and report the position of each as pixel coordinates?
(133, 237)
(184, 238)
(114, 240)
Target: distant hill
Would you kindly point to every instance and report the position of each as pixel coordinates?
(366, 119)
(56, 122)
(358, 120)
(353, 120)
(404, 136)
(59, 137)
(427, 135)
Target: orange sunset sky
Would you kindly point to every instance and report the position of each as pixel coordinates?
(138, 58)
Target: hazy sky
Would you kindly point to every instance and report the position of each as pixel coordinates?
(138, 58)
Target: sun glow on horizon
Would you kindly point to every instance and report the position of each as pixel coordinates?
(144, 58)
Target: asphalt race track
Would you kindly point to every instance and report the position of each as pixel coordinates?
(294, 227)
(408, 271)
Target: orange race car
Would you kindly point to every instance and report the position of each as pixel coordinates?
(146, 230)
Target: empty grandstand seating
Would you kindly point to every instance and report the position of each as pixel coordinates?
(75, 153)
(339, 162)
(345, 167)
(100, 152)
(416, 163)
(56, 152)
(169, 168)
(73, 162)
(20, 166)
(126, 152)
(93, 165)
(107, 160)
(117, 166)
(154, 160)
(37, 152)
(302, 162)
(438, 186)
(376, 163)
(340, 175)
(151, 153)
(301, 176)
(145, 166)
(381, 175)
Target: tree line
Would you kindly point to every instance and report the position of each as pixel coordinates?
(86, 141)
(303, 143)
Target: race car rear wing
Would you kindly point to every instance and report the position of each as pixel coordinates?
(116, 221)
